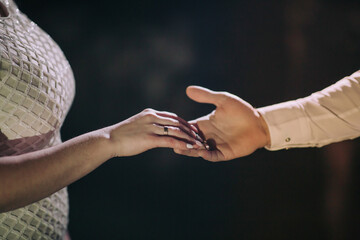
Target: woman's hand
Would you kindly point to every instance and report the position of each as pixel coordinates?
(150, 129)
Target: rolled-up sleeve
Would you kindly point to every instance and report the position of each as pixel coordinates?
(327, 116)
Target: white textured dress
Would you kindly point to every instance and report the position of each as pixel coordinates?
(36, 90)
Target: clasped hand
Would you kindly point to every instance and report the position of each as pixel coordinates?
(150, 129)
(234, 129)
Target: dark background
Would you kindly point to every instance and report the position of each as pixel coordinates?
(130, 55)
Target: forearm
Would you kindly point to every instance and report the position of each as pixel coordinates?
(30, 177)
(330, 115)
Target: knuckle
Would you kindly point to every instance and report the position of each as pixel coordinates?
(168, 113)
(150, 128)
(148, 110)
(223, 97)
(175, 129)
(172, 114)
(175, 122)
(149, 115)
(179, 132)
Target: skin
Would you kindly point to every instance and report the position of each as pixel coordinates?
(30, 177)
(234, 129)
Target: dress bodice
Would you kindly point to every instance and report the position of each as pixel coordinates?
(36, 85)
(36, 90)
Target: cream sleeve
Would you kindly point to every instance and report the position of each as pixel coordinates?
(324, 117)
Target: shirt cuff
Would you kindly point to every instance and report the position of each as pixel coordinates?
(288, 126)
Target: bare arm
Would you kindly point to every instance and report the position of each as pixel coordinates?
(33, 176)
(30, 177)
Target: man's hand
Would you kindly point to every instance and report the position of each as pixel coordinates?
(234, 129)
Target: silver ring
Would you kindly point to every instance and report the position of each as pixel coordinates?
(166, 130)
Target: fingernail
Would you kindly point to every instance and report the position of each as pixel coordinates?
(207, 147)
(198, 137)
(188, 145)
(198, 143)
(193, 133)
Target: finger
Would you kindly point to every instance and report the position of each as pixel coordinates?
(212, 156)
(187, 153)
(192, 152)
(188, 127)
(170, 142)
(167, 114)
(204, 95)
(174, 116)
(199, 134)
(161, 119)
(177, 133)
(172, 131)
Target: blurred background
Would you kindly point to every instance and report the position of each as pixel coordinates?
(130, 55)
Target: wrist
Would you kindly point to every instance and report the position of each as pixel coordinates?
(108, 141)
(105, 145)
(265, 130)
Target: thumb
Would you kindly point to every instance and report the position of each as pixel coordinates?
(204, 95)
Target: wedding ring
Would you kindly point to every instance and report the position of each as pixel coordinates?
(166, 130)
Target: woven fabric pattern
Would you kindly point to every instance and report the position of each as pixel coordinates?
(36, 90)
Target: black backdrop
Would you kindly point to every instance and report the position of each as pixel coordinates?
(130, 55)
